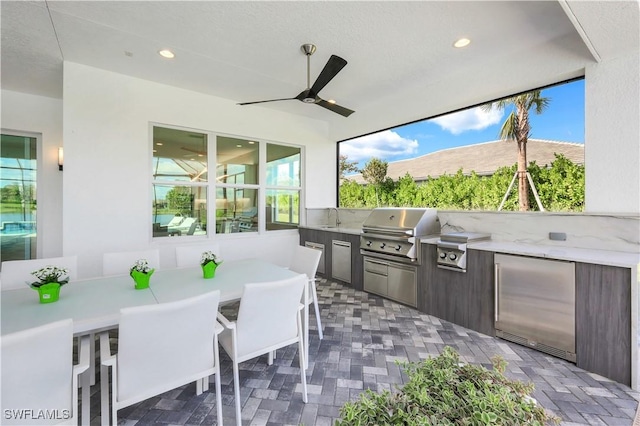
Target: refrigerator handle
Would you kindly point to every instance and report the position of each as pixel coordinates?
(496, 288)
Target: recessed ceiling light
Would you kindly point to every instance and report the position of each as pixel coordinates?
(462, 42)
(239, 146)
(251, 142)
(159, 143)
(166, 53)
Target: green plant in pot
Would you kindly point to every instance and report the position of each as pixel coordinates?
(442, 391)
(141, 273)
(50, 279)
(209, 263)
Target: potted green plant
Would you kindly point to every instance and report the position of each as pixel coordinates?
(209, 263)
(141, 273)
(444, 391)
(50, 279)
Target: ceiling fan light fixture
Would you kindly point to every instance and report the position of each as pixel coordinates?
(331, 101)
(462, 42)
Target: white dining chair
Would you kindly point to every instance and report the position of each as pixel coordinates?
(305, 260)
(161, 347)
(119, 263)
(268, 319)
(38, 374)
(17, 273)
(190, 255)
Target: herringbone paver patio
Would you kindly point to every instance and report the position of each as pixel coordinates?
(364, 336)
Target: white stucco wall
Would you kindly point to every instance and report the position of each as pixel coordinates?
(612, 135)
(107, 188)
(41, 115)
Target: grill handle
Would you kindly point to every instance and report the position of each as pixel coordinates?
(496, 290)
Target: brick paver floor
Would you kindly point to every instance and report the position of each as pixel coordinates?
(364, 336)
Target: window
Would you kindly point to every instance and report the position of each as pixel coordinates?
(237, 185)
(179, 182)
(283, 187)
(257, 185)
(18, 195)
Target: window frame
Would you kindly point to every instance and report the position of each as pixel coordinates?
(40, 167)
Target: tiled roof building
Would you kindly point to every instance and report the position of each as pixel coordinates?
(483, 158)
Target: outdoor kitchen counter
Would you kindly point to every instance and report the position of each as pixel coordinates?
(353, 231)
(601, 257)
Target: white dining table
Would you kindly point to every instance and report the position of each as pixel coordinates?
(94, 304)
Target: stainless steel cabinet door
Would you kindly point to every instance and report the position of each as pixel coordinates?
(375, 276)
(402, 284)
(535, 300)
(341, 260)
(317, 246)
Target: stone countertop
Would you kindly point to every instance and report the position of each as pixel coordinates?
(353, 231)
(601, 257)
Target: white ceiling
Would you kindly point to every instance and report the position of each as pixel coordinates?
(401, 63)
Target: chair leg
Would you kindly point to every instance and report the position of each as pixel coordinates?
(216, 358)
(305, 321)
(302, 361)
(315, 306)
(236, 389)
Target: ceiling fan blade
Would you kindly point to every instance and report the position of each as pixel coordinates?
(270, 100)
(345, 112)
(332, 67)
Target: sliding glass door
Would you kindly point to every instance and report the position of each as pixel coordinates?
(18, 197)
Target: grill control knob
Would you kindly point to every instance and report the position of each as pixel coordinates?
(383, 245)
(398, 247)
(443, 255)
(453, 256)
(368, 243)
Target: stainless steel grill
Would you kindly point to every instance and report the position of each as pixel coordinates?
(394, 233)
(390, 241)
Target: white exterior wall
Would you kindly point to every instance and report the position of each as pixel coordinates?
(107, 188)
(40, 115)
(612, 136)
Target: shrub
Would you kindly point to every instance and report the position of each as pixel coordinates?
(443, 391)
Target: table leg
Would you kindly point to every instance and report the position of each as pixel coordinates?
(104, 382)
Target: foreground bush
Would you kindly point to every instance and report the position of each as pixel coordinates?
(443, 391)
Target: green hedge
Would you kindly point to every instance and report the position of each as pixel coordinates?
(560, 187)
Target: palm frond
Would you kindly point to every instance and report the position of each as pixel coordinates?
(509, 127)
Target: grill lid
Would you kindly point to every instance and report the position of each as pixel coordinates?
(410, 221)
(464, 237)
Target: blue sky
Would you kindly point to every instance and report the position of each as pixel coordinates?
(563, 120)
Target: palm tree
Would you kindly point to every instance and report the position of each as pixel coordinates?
(516, 127)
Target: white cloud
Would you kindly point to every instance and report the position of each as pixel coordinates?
(380, 145)
(469, 119)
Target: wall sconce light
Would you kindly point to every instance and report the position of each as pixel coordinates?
(60, 158)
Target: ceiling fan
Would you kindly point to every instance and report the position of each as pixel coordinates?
(310, 94)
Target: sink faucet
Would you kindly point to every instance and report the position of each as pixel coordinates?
(337, 216)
